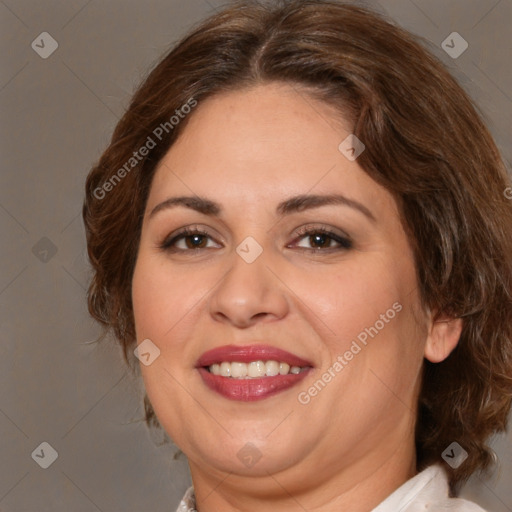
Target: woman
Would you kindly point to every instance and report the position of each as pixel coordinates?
(301, 230)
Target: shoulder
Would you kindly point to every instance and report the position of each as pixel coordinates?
(427, 490)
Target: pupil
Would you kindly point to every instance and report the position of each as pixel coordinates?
(319, 240)
(195, 241)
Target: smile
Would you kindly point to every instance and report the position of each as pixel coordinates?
(249, 373)
(254, 369)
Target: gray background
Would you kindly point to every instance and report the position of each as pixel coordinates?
(56, 384)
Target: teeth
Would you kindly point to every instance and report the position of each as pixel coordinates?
(225, 369)
(272, 368)
(256, 369)
(253, 370)
(238, 370)
(284, 368)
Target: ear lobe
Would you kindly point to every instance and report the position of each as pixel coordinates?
(443, 338)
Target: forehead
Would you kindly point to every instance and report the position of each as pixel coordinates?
(261, 144)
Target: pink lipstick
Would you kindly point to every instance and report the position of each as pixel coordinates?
(249, 373)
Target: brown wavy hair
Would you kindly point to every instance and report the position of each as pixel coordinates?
(425, 143)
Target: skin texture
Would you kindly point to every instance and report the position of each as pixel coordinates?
(353, 443)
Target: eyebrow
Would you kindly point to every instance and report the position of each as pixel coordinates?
(294, 204)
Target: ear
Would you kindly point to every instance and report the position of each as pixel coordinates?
(443, 337)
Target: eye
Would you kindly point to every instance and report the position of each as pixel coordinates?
(321, 239)
(317, 239)
(188, 239)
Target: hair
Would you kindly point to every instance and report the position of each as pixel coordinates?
(425, 143)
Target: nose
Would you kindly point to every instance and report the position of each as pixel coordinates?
(249, 293)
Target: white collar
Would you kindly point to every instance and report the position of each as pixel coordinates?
(427, 490)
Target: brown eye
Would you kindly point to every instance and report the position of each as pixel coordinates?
(322, 239)
(195, 241)
(188, 240)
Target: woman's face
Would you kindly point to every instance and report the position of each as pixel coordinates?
(293, 255)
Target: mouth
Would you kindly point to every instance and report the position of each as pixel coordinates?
(251, 373)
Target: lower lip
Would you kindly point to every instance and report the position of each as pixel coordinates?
(250, 390)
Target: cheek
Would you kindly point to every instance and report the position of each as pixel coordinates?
(149, 299)
(350, 297)
(162, 296)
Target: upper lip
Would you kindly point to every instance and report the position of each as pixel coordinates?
(249, 353)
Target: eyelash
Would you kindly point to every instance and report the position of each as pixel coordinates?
(167, 244)
(344, 242)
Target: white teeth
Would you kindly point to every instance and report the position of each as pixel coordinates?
(225, 369)
(238, 370)
(272, 368)
(256, 369)
(284, 368)
(253, 369)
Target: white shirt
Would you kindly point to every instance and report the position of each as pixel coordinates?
(427, 490)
